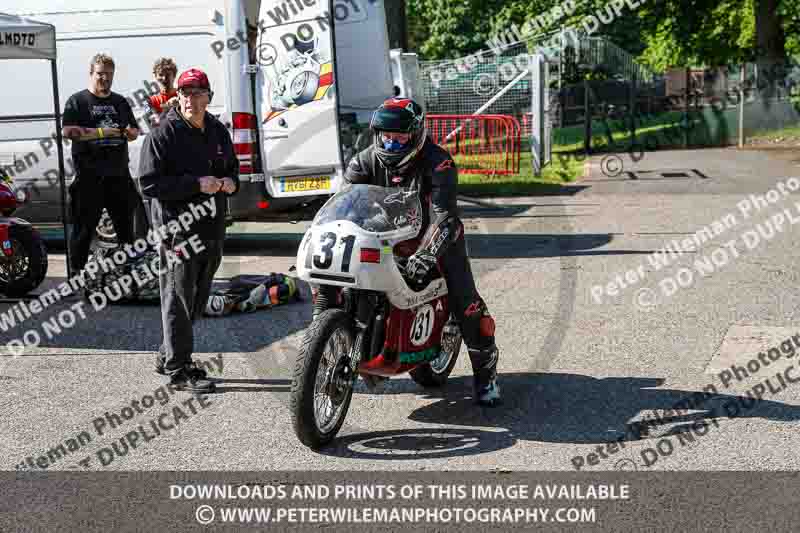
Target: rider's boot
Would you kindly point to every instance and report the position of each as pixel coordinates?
(484, 368)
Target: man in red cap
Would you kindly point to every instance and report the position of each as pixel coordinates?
(188, 166)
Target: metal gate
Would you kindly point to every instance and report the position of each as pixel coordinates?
(479, 144)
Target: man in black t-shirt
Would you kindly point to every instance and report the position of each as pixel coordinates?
(100, 124)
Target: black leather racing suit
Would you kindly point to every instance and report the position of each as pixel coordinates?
(435, 175)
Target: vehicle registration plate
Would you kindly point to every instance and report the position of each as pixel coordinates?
(305, 183)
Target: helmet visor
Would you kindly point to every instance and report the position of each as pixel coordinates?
(397, 120)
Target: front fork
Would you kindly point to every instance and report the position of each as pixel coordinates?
(369, 311)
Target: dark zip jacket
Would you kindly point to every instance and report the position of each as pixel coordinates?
(435, 174)
(174, 155)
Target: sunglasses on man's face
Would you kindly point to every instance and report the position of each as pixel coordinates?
(189, 93)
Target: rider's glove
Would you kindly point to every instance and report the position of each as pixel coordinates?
(420, 264)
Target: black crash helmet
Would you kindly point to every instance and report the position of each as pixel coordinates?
(399, 115)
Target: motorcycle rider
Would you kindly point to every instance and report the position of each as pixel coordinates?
(402, 155)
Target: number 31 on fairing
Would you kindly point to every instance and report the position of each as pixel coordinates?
(422, 327)
(324, 247)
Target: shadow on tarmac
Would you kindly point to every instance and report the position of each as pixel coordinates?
(549, 407)
(224, 385)
(137, 327)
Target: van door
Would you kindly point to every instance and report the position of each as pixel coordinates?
(298, 98)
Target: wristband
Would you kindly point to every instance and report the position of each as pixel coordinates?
(100, 132)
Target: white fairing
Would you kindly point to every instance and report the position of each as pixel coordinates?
(331, 250)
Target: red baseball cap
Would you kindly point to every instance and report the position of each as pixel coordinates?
(194, 78)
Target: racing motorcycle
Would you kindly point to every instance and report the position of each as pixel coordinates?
(23, 263)
(381, 324)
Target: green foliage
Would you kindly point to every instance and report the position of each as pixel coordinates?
(795, 98)
(662, 33)
(446, 29)
(789, 11)
(442, 29)
(717, 33)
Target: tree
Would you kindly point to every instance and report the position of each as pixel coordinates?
(447, 29)
(770, 39)
(718, 32)
(662, 33)
(396, 23)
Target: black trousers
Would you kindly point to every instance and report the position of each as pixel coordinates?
(185, 288)
(88, 196)
(466, 305)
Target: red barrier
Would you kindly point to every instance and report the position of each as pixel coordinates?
(480, 144)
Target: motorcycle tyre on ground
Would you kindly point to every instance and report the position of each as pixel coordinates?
(31, 242)
(302, 406)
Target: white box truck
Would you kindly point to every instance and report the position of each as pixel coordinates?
(321, 67)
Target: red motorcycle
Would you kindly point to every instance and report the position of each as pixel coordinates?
(23, 263)
(382, 325)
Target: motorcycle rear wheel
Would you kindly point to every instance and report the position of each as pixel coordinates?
(26, 268)
(434, 374)
(323, 382)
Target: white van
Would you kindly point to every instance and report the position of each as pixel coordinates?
(322, 67)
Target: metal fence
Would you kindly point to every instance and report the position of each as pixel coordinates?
(685, 109)
(486, 144)
(625, 106)
(465, 86)
(500, 82)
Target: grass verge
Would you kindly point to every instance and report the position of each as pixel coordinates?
(559, 173)
(793, 131)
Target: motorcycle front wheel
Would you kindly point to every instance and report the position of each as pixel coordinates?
(322, 386)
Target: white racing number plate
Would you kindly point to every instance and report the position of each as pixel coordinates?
(330, 255)
(422, 327)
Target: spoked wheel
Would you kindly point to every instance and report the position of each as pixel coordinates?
(436, 372)
(105, 228)
(26, 267)
(323, 380)
(106, 233)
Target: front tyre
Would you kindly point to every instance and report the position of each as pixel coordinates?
(26, 267)
(434, 374)
(322, 386)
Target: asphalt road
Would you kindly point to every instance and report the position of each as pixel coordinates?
(575, 373)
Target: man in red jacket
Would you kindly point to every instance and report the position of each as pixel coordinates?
(164, 70)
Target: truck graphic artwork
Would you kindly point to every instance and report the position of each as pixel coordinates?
(299, 64)
(299, 104)
(303, 82)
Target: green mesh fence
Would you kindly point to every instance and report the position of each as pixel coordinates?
(471, 84)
